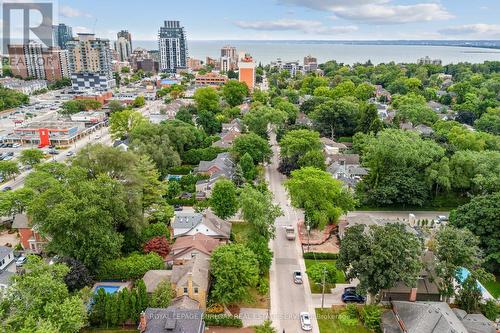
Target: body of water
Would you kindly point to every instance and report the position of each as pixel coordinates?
(267, 51)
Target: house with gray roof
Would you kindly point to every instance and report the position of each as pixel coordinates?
(6, 257)
(207, 223)
(171, 320)
(222, 165)
(431, 317)
(346, 168)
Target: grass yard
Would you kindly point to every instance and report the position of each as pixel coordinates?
(493, 287)
(328, 323)
(316, 289)
(257, 300)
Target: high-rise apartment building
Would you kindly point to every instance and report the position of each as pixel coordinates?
(33, 60)
(246, 67)
(61, 35)
(228, 58)
(123, 45)
(172, 45)
(310, 60)
(127, 35)
(90, 63)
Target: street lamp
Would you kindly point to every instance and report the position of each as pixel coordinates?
(308, 227)
(322, 284)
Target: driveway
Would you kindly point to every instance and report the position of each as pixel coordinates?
(253, 317)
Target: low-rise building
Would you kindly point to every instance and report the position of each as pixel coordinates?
(210, 79)
(207, 223)
(6, 257)
(88, 117)
(433, 317)
(331, 148)
(44, 133)
(99, 96)
(192, 279)
(347, 169)
(187, 247)
(171, 320)
(222, 164)
(29, 237)
(25, 87)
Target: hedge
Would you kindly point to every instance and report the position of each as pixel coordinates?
(320, 255)
(132, 267)
(222, 320)
(181, 170)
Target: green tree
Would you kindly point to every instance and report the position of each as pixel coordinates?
(235, 269)
(121, 123)
(260, 247)
(313, 158)
(258, 119)
(224, 201)
(247, 167)
(40, 296)
(291, 110)
(139, 102)
(336, 117)
(369, 121)
(234, 92)
(206, 99)
(489, 121)
(265, 328)
(455, 248)
(299, 142)
(142, 295)
(481, 217)
(320, 271)
(322, 197)
(208, 121)
(162, 295)
(77, 105)
(115, 106)
(184, 115)
(364, 91)
(15, 202)
(257, 147)
(8, 169)
(257, 208)
(31, 157)
(413, 108)
(365, 251)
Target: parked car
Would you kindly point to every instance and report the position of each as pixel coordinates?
(305, 321)
(178, 208)
(351, 296)
(21, 261)
(442, 218)
(70, 153)
(186, 195)
(53, 152)
(16, 145)
(297, 277)
(289, 232)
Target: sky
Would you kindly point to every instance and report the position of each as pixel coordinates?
(288, 19)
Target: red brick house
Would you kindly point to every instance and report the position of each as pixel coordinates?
(30, 239)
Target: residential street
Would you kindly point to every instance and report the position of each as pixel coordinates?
(287, 299)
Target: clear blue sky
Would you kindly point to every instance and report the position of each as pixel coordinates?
(289, 19)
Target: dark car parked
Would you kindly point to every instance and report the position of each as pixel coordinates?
(351, 296)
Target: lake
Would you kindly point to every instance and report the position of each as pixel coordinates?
(267, 51)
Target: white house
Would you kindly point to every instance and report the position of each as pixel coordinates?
(6, 257)
(207, 223)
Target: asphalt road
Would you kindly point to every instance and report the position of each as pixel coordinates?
(287, 298)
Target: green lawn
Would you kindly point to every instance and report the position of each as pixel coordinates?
(328, 323)
(316, 289)
(493, 287)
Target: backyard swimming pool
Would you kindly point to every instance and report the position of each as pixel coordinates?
(108, 289)
(463, 273)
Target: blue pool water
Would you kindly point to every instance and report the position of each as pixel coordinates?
(108, 289)
(463, 273)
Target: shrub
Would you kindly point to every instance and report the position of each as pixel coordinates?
(490, 309)
(352, 310)
(320, 256)
(132, 267)
(346, 320)
(155, 230)
(180, 170)
(222, 320)
(157, 245)
(215, 309)
(194, 156)
(263, 287)
(371, 317)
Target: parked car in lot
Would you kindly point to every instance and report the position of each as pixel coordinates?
(305, 321)
(21, 261)
(351, 296)
(16, 145)
(297, 277)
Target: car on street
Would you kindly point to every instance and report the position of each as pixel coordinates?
(21, 261)
(7, 188)
(178, 208)
(350, 295)
(70, 153)
(53, 152)
(305, 321)
(290, 232)
(97, 137)
(297, 277)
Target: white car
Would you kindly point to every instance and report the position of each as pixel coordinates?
(97, 137)
(16, 145)
(305, 321)
(21, 261)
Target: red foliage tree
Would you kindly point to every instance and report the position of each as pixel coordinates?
(158, 245)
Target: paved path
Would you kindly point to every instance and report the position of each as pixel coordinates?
(287, 299)
(253, 317)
